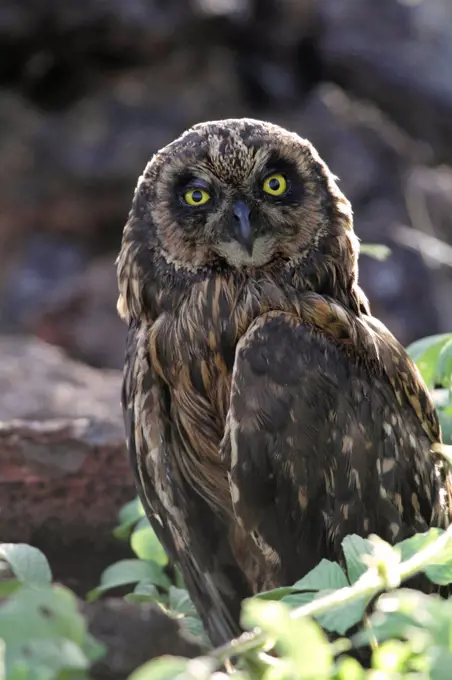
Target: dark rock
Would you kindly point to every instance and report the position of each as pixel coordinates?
(38, 382)
(80, 316)
(133, 635)
(65, 470)
(398, 54)
(43, 265)
(73, 172)
(274, 49)
(54, 52)
(67, 177)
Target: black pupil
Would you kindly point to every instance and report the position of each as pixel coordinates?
(196, 196)
(274, 184)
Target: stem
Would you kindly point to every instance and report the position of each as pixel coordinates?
(370, 583)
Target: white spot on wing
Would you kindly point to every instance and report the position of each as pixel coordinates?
(387, 427)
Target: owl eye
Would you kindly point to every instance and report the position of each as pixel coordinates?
(275, 185)
(196, 196)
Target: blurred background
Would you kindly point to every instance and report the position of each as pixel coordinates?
(91, 89)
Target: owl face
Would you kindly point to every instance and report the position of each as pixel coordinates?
(241, 191)
(242, 216)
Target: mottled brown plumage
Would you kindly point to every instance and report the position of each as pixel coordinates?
(267, 413)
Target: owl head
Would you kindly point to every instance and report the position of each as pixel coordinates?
(242, 194)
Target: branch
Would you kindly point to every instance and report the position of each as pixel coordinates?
(430, 247)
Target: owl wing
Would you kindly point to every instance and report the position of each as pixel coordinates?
(328, 433)
(186, 526)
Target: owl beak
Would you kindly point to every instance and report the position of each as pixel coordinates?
(243, 230)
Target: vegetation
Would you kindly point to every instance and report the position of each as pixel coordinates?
(410, 634)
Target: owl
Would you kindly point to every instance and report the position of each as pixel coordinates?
(268, 414)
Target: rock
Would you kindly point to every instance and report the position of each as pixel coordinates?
(35, 274)
(65, 471)
(273, 42)
(67, 177)
(53, 52)
(133, 635)
(373, 158)
(38, 382)
(397, 54)
(80, 316)
(73, 172)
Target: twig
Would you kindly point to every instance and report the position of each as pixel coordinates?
(373, 581)
(428, 246)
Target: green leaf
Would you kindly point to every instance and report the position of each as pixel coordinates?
(192, 625)
(126, 572)
(391, 656)
(444, 365)
(128, 516)
(143, 523)
(439, 569)
(326, 575)
(425, 353)
(407, 613)
(38, 613)
(341, 618)
(338, 620)
(45, 658)
(146, 545)
(276, 593)
(28, 564)
(445, 420)
(133, 598)
(298, 599)
(354, 548)
(376, 250)
(168, 668)
(419, 347)
(131, 511)
(144, 591)
(180, 602)
(350, 669)
(411, 546)
(301, 640)
(440, 663)
(8, 587)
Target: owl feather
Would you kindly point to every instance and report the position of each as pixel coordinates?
(268, 414)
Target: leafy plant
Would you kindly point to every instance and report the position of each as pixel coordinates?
(149, 573)
(433, 357)
(375, 250)
(411, 633)
(44, 635)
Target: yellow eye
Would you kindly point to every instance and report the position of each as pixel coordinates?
(196, 196)
(275, 185)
